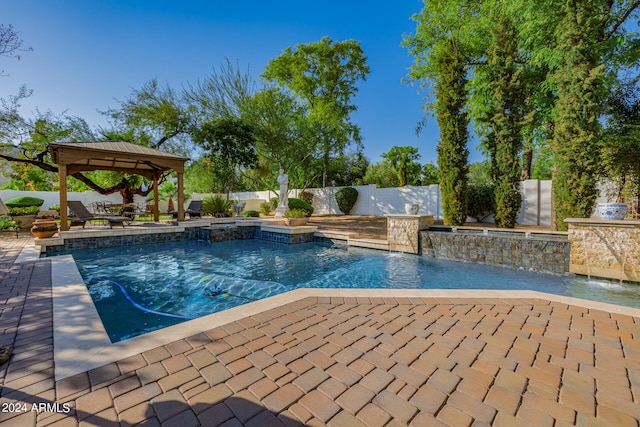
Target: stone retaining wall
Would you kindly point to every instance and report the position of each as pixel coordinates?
(605, 248)
(516, 250)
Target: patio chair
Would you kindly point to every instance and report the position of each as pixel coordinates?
(82, 215)
(193, 210)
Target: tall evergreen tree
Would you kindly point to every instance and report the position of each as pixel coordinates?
(505, 118)
(579, 83)
(452, 149)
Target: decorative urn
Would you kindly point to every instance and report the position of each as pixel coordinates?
(44, 228)
(411, 208)
(612, 210)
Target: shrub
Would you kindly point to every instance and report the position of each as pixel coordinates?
(55, 208)
(273, 203)
(7, 223)
(307, 197)
(217, 206)
(24, 201)
(346, 198)
(265, 208)
(295, 213)
(480, 200)
(28, 210)
(251, 214)
(300, 204)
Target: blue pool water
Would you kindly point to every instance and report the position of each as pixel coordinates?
(137, 289)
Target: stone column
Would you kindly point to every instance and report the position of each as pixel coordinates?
(605, 248)
(403, 231)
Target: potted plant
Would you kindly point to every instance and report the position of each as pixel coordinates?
(294, 217)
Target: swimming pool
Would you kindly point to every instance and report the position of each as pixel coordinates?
(138, 289)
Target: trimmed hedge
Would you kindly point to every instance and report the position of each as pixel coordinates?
(346, 199)
(24, 201)
(251, 214)
(300, 204)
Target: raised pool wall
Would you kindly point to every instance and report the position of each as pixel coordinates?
(526, 250)
(605, 248)
(216, 231)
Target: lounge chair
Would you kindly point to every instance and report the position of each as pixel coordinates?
(81, 215)
(193, 210)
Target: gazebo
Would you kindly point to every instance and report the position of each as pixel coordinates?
(119, 156)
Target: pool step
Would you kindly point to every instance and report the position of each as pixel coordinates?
(353, 239)
(369, 243)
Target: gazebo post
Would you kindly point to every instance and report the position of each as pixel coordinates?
(62, 176)
(180, 197)
(156, 214)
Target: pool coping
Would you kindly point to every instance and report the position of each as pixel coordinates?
(81, 342)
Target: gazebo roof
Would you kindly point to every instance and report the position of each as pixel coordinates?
(114, 156)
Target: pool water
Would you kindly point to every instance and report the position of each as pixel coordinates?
(137, 289)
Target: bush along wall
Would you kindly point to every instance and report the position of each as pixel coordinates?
(346, 199)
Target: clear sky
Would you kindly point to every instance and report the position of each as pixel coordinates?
(87, 54)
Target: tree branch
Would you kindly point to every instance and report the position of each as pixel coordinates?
(617, 25)
(40, 164)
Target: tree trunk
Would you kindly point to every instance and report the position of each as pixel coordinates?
(325, 168)
(527, 160)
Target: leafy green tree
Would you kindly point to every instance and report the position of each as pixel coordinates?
(382, 174)
(157, 117)
(620, 146)
(401, 159)
(231, 144)
(430, 174)
(347, 170)
(199, 176)
(282, 138)
(324, 74)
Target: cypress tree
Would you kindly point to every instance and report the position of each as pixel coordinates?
(579, 83)
(505, 119)
(451, 97)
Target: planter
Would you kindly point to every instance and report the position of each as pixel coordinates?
(24, 221)
(296, 221)
(411, 208)
(616, 211)
(44, 228)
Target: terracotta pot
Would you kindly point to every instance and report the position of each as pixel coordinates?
(44, 228)
(295, 221)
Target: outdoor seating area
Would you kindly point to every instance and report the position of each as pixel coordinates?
(80, 215)
(194, 210)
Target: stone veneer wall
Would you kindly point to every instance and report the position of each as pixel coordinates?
(549, 255)
(605, 248)
(402, 231)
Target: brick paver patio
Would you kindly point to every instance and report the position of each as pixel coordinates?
(334, 361)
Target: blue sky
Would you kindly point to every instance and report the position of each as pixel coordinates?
(87, 54)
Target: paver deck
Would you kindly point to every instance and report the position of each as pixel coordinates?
(341, 361)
